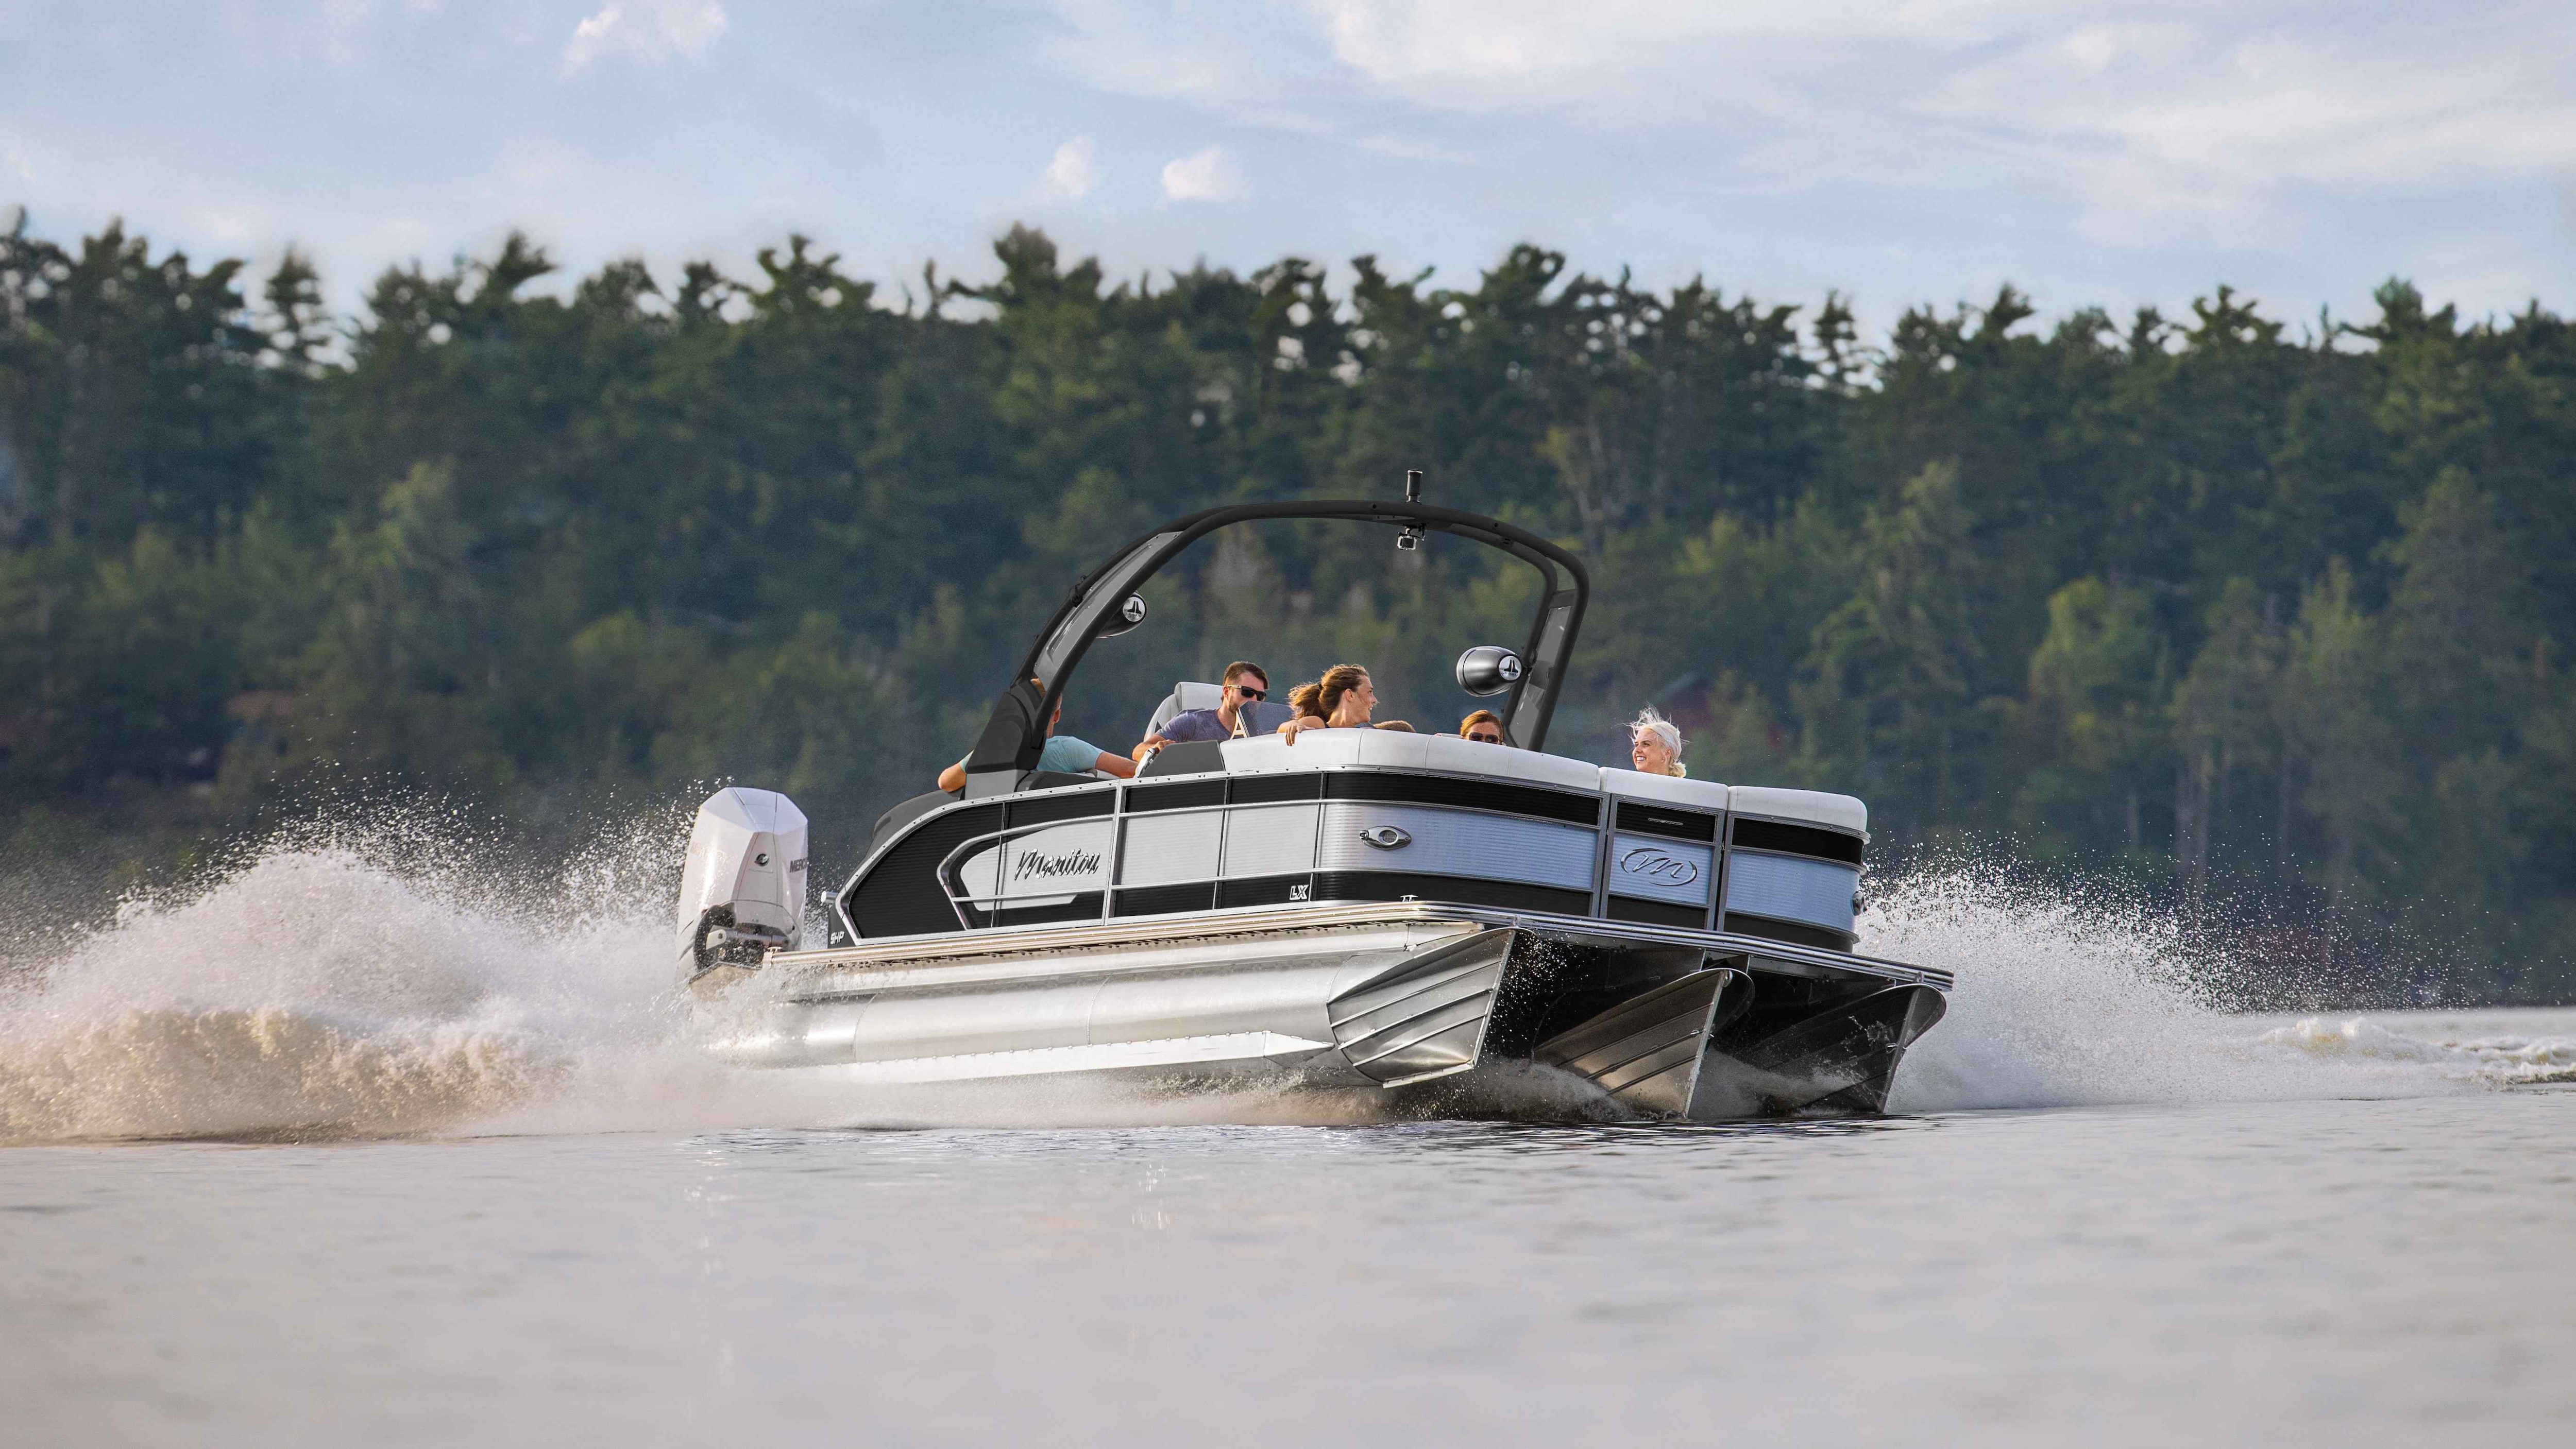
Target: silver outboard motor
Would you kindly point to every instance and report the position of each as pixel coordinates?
(742, 894)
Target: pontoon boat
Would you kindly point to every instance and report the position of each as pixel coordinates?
(1362, 909)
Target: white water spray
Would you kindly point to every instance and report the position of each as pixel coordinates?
(322, 990)
(2064, 1001)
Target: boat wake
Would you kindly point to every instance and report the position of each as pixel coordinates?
(343, 988)
(2496, 1059)
(2063, 1001)
(313, 991)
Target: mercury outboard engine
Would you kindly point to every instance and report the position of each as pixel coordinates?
(742, 894)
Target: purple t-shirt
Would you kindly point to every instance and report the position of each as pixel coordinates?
(1195, 724)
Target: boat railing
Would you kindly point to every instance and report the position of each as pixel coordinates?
(1337, 831)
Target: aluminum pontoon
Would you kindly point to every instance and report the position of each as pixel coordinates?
(1363, 909)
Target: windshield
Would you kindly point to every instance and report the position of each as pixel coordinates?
(1302, 581)
(1296, 599)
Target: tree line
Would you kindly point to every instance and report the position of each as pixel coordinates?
(2264, 620)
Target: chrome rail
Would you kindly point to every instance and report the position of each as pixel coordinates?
(932, 950)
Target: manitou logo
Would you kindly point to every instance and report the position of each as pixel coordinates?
(1651, 864)
(1032, 866)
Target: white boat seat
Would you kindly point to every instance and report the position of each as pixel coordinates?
(1186, 695)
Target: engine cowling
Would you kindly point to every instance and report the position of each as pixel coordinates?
(742, 892)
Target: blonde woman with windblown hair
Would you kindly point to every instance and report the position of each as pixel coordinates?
(1655, 744)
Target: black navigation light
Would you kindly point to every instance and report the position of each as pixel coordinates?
(1411, 538)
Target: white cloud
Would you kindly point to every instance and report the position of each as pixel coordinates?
(1413, 148)
(2091, 150)
(2228, 123)
(1073, 173)
(1209, 175)
(1546, 51)
(645, 30)
(2209, 134)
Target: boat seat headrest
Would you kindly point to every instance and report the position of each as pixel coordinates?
(1185, 695)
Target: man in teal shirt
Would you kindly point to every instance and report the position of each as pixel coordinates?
(1063, 753)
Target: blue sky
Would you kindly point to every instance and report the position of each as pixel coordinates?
(1904, 150)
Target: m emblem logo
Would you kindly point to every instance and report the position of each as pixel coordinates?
(1647, 863)
(1387, 837)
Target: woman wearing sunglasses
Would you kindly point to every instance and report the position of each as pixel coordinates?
(1482, 727)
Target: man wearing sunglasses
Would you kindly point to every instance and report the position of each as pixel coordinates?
(1244, 683)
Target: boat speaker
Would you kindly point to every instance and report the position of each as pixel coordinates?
(1488, 669)
(1129, 615)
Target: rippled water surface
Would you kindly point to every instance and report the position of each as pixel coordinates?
(340, 1152)
(2322, 1271)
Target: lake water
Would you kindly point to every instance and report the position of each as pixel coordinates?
(447, 1178)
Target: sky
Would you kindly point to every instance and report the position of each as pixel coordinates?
(1903, 151)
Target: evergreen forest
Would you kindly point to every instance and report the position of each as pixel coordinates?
(2264, 620)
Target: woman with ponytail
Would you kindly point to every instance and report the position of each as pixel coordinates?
(1344, 699)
